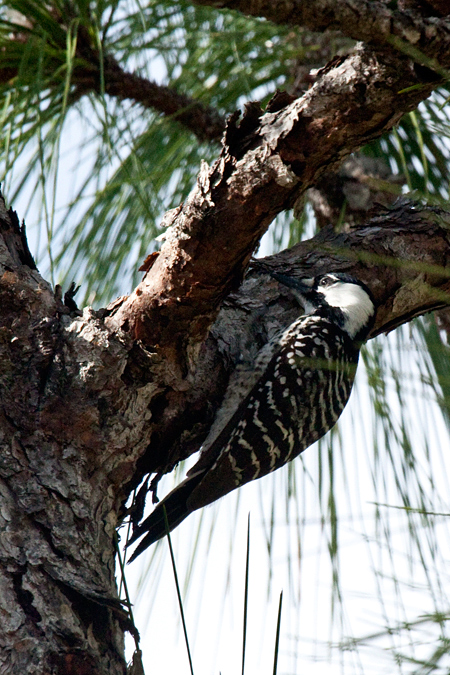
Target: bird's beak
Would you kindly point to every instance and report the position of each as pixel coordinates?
(302, 286)
(302, 289)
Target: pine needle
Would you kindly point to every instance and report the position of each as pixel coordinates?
(180, 602)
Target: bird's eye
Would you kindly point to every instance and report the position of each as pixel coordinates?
(325, 281)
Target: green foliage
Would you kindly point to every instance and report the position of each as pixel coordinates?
(97, 225)
(436, 372)
(418, 149)
(143, 164)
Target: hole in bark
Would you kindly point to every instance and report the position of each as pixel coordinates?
(138, 369)
(361, 89)
(90, 613)
(426, 74)
(297, 167)
(25, 598)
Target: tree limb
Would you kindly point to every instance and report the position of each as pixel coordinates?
(370, 21)
(101, 73)
(201, 120)
(267, 162)
(403, 255)
(90, 403)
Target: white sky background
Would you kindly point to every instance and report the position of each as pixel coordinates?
(382, 584)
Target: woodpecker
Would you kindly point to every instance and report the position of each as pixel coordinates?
(299, 387)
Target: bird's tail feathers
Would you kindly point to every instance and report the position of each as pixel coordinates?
(177, 510)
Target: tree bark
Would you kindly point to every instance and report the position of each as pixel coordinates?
(418, 29)
(60, 611)
(92, 401)
(267, 163)
(85, 412)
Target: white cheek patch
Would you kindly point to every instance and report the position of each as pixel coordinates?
(354, 302)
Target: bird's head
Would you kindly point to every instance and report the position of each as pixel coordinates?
(340, 297)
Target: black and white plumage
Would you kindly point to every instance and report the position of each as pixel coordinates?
(299, 387)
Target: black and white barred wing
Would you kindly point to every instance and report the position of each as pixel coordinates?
(301, 389)
(299, 397)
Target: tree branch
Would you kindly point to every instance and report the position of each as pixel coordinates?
(201, 120)
(102, 74)
(403, 255)
(370, 21)
(268, 161)
(90, 403)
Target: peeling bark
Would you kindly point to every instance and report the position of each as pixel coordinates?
(267, 163)
(93, 401)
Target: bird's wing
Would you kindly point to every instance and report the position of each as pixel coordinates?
(176, 502)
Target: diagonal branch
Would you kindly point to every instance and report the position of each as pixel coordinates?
(403, 255)
(203, 121)
(268, 161)
(98, 73)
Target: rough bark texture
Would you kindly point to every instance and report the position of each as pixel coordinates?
(347, 197)
(267, 163)
(402, 255)
(85, 412)
(409, 25)
(59, 482)
(92, 401)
